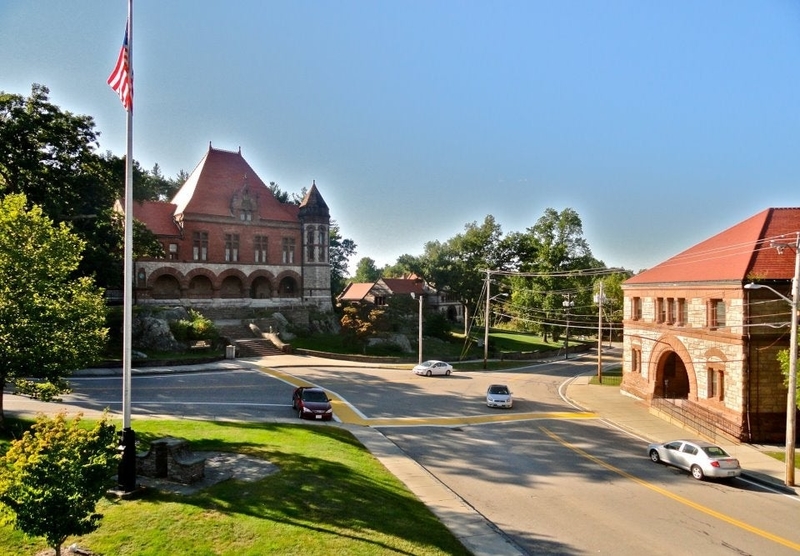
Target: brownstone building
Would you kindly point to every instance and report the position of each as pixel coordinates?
(230, 243)
(702, 348)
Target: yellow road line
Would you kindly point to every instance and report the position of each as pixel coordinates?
(673, 496)
(346, 414)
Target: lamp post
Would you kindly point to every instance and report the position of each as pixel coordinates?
(486, 326)
(567, 303)
(419, 338)
(791, 395)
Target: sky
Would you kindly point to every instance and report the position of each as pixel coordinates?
(660, 123)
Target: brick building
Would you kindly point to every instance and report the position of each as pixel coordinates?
(230, 243)
(700, 346)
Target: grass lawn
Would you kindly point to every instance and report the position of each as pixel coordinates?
(330, 496)
(782, 457)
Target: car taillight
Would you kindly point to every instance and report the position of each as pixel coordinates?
(714, 464)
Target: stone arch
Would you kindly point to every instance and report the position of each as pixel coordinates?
(288, 284)
(261, 287)
(672, 370)
(231, 287)
(164, 286)
(231, 283)
(201, 286)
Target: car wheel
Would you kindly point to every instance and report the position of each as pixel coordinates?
(428, 373)
(654, 457)
(447, 372)
(697, 473)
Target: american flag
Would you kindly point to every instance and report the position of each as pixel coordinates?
(121, 79)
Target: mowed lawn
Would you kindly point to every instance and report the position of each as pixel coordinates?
(329, 496)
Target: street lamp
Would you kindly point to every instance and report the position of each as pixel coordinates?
(567, 303)
(791, 395)
(486, 326)
(419, 339)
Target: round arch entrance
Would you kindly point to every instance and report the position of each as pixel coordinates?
(672, 378)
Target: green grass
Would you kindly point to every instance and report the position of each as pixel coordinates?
(329, 496)
(611, 377)
(781, 456)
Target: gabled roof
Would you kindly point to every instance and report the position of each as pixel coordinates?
(403, 285)
(222, 178)
(740, 253)
(157, 216)
(355, 291)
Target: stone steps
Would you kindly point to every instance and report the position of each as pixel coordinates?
(255, 347)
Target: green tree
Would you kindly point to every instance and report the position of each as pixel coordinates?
(460, 263)
(50, 323)
(559, 260)
(366, 271)
(52, 478)
(50, 155)
(341, 250)
(783, 359)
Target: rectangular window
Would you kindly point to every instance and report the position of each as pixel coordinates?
(380, 300)
(716, 384)
(636, 360)
(683, 312)
(288, 250)
(637, 308)
(232, 248)
(200, 246)
(173, 251)
(260, 249)
(672, 311)
(661, 310)
(717, 316)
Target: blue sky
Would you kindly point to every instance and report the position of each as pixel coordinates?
(660, 123)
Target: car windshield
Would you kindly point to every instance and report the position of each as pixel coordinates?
(715, 452)
(428, 364)
(314, 396)
(499, 390)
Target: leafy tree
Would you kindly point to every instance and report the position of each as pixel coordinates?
(341, 250)
(366, 271)
(559, 258)
(50, 156)
(360, 322)
(461, 262)
(52, 478)
(50, 323)
(783, 359)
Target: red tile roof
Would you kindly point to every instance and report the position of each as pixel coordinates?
(157, 216)
(403, 285)
(740, 253)
(219, 177)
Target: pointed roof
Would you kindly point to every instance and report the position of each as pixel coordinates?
(313, 204)
(737, 254)
(356, 291)
(403, 285)
(224, 178)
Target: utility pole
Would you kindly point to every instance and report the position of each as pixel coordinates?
(486, 321)
(600, 300)
(567, 303)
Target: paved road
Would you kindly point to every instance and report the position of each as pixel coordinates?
(556, 480)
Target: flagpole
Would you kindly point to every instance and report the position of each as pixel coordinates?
(127, 467)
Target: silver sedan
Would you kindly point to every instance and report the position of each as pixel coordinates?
(701, 459)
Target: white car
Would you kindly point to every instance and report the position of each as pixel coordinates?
(433, 367)
(498, 395)
(700, 458)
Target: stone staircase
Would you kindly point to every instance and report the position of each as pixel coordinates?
(255, 347)
(247, 344)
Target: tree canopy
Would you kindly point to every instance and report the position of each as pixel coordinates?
(51, 323)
